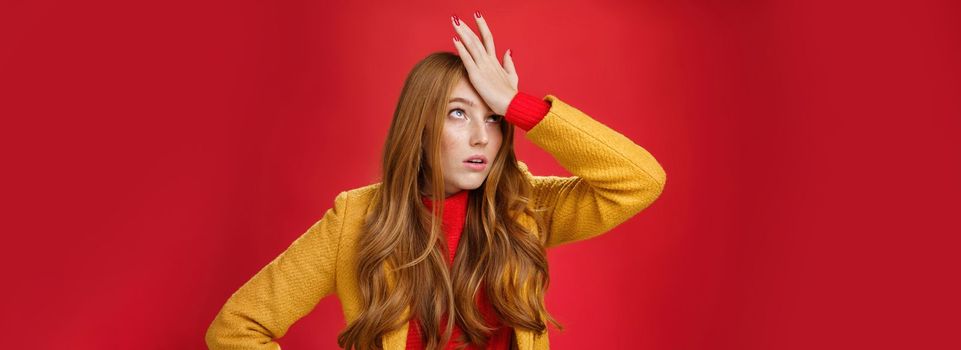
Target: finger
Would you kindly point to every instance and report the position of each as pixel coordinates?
(509, 63)
(470, 41)
(509, 67)
(464, 55)
(485, 32)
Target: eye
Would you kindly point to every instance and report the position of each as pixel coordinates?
(496, 118)
(462, 114)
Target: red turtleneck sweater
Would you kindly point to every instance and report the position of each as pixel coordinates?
(524, 111)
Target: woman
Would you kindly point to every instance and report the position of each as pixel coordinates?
(398, 262)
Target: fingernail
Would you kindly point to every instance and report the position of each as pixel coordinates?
(456, 39)
(477, 14)
(456, 20)
(510, 52)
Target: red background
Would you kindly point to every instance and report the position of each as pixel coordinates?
(156, 155)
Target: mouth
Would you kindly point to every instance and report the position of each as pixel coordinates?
(476, 162)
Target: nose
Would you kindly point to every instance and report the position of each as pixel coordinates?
(478, 135)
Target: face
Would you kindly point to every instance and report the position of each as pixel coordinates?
(471, 131)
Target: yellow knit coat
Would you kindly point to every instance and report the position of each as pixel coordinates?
(613, 180)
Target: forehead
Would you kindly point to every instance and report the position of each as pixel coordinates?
(464, 93)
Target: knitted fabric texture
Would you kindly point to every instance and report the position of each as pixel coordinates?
(526, 110)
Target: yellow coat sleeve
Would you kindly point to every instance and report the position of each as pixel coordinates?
(284, 290)
(613, 177)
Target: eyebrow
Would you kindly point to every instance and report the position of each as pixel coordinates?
(461, 99)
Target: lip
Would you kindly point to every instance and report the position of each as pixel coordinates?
(476, 166)
(477, 156)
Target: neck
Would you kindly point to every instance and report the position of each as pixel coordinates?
(447, 196)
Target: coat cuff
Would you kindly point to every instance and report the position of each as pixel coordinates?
(526, 110)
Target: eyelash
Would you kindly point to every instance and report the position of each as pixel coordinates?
(497, 117)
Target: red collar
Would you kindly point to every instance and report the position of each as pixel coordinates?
(455, 202)
(452, 222)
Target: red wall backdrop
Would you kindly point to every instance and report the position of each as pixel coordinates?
(157, 154)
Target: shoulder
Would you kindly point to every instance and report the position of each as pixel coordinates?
(531, 178)
(363, 193)
(523, 166)
(357, 196)
(350, 208)
(356, 200)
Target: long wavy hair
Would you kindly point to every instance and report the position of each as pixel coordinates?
(403, 237)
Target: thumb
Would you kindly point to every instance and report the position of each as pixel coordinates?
(509, 67)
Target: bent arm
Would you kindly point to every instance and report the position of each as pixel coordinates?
(613, 177)
(285, 290)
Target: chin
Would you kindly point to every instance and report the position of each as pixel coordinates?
(470, 187)
(471, 183)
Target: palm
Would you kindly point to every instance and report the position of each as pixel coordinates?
(496, 83)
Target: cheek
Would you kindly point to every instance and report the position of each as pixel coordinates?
(495, 139)
(449, 141)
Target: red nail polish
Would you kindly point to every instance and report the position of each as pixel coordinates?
(456, 39)
(456, 20)
(477, 14)
(510, 53)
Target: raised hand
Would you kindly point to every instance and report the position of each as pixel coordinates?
(495, 83)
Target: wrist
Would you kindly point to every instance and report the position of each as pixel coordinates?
(526, 110)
